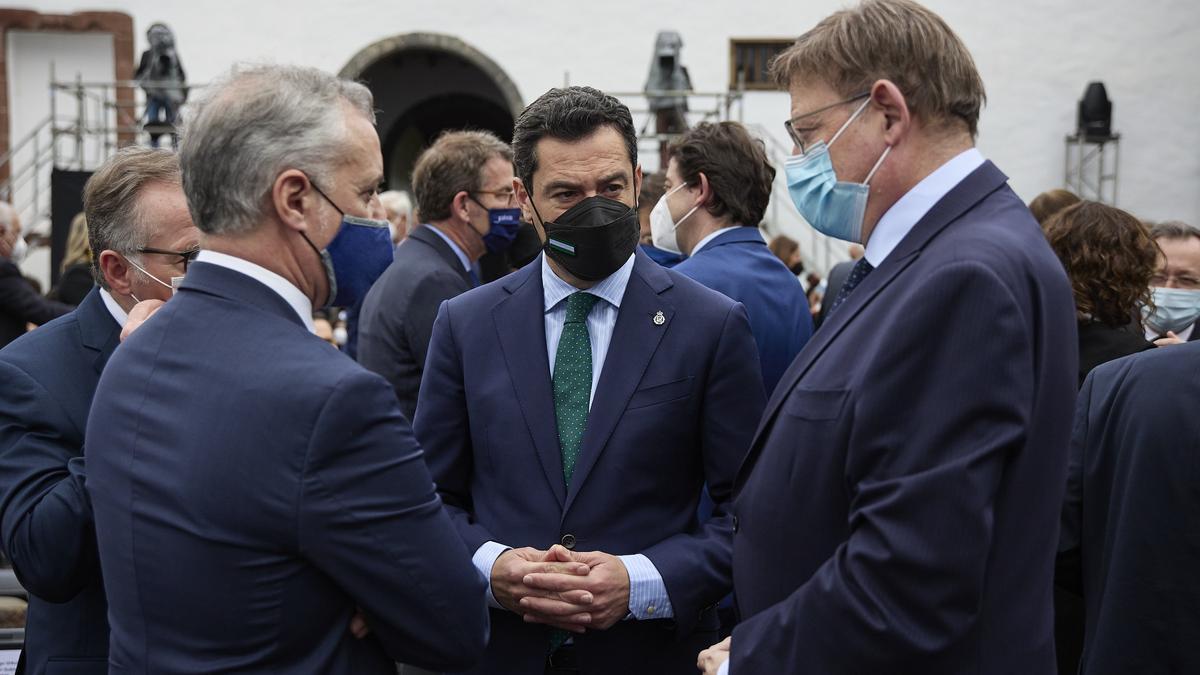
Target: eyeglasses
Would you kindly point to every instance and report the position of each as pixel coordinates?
(185, 257)
(508, 195)
(1181, 280)
(790, 125)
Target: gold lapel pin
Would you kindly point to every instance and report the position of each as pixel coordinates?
(659, 319)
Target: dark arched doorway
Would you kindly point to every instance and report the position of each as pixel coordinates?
(426, 83)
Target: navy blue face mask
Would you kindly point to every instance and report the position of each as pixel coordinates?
(356, 257)
(502, 227)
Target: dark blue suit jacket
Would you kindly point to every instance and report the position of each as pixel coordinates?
(47, 378)
(897, 511)
(738, 264)
(252, 486)
(675, 406)
(1132, 512)
(397, 316)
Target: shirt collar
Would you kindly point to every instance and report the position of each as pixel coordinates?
(285, 289)
(912, 207)
(705, 241)
(110, 303)
(462, 257)
(610, 289)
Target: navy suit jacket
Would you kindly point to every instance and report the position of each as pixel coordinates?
(48, 378)
(1132, 512)
(397, 316)
(675, 406)
(897, 510)
(738, 264)
(252, 486)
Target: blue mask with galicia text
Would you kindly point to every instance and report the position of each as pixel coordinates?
(357, 256)
(502, 229)
(834, 208)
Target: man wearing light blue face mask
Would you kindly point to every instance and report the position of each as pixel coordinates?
(464, 189)
(1176, 285)
(899, 503)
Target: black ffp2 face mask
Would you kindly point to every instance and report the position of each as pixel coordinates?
(592, 239)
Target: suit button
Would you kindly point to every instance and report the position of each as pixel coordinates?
(568, 541)
(735, 524)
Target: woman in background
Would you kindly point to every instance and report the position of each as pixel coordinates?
(75, 281)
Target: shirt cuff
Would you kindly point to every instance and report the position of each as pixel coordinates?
(648, 597)
(724, 669)
(483, 560)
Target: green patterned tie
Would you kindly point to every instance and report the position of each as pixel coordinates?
(572, 394)
(573, 379)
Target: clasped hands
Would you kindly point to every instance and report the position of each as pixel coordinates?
(560, 588)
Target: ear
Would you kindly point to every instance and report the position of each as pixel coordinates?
(116, 271)
(458, 205)
(294, 199)
(887, 98)
(637, 186)
(706, 193)
(523, 202)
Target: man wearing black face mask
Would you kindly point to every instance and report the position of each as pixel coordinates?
(464, 188)
(572, 413)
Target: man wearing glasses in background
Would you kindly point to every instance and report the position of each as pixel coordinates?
(1176, 284)
(140, 228)
(464, 189)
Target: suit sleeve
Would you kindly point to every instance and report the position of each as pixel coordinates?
(697, 567)
(18, 299)
(428, 297)
(45, 515)
(444, 430)
(1068, 566)
(946, 404)
(369, 517)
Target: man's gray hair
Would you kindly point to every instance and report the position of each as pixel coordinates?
(111, 198)
(253, 124)
(1173, 229)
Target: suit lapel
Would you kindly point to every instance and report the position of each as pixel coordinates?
(973, 189)
(427, 236)
(98, 329)
(520, 325)
(635, 338)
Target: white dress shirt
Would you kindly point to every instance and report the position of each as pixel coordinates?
(293, 296)
(110, 303)
(712, 235)
(899, 220)
(648, 597)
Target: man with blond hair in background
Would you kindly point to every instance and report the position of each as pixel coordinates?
(897, 511)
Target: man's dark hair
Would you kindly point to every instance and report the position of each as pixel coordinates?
(735, 164)
(568, 114)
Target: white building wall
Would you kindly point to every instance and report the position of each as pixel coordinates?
(1035, 56)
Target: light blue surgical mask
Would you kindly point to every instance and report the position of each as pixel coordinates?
(834, 208)
(1174, 309)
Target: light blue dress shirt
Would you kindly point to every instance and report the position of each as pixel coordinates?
(648, 597)
(462, 257)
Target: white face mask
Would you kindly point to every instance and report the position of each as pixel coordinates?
(1174, 309)
(663, 226)
(175, 281)
(19, 250)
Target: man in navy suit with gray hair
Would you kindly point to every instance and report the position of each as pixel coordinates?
(254, 489)
(897, 511)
